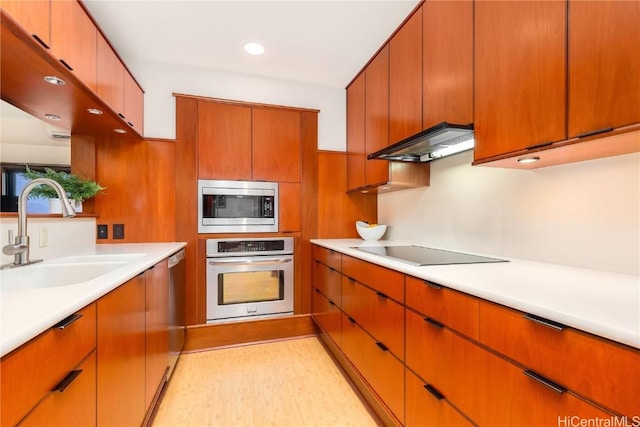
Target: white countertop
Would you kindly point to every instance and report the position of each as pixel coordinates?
(26, 313)
(599, 302)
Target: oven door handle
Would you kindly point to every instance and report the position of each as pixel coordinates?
(269, 262)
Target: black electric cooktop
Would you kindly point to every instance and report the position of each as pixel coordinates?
(421, 256)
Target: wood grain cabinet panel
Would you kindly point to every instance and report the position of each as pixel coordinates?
(276, 145)
(405, 79)
(377, 116)
(327, 314)
(520, 69)
(290, 215)
(121, 355)
(328, 281)
(75, 405)
(30, 372)
(389, 282)
(356, 151)
(156, 328)
(603, 371)
(110, 76)
(133, 104)
(604, 65)
(33, 15)
(224, 141)
(447, 62)
(74, 40)
(380, 316)
(446, 306)
(426, 409)
(328, 257)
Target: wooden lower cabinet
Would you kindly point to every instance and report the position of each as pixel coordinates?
(121, 355)
(328, 281)
(156, 329)
(427, 408)
(73, 405)
(327, 315)
(383, 371)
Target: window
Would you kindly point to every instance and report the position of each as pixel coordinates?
(13, 183)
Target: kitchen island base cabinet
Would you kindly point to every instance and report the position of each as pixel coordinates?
(156, 329)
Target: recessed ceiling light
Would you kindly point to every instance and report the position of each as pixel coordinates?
(120, 131)
(54, 80)
(254, 48)
(52, 117)
(528, 159)
(94, 111)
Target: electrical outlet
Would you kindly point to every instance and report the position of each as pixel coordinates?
(118, 231)
(44, 236)
(103, 231)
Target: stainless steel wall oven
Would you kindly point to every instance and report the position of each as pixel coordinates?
(249, 278)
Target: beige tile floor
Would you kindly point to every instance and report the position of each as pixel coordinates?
(284, 383)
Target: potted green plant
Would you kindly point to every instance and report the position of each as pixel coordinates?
(77, 189)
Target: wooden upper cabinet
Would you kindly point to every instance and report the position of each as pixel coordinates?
(276, 147)
(133, 103)
(224, 141)
(520, 68)
(74, 40)
(377, 116)
(110, 76)
(604, 65)
(405, 80)
(33, 15)
(356, 156)
(447, 62)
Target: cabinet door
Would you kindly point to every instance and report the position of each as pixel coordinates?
(520, 68)
(405, 80)
(290, 217)
(73, 405)
(356, 156)
(328, 316)
(74, 40)
(133, 103)
(157, 328)
(33, 15)
(275, 145)
(224, 141)
(110, 77)
(604, 65)
(121, 355)
(447, 62)
(377, 116)
(328, 281)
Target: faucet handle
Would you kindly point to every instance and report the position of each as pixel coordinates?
(11, 242)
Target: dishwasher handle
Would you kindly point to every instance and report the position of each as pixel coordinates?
(176, 258)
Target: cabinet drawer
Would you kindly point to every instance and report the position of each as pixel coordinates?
(451, 308)
(426, 409)
(383, 372)
(376, 313)
(389, 282)
(328, 316)
(328, 257)
(328, 281)
(73, 406)
(30, 372)
(610, 375)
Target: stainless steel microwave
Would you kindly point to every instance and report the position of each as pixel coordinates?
(237, 206)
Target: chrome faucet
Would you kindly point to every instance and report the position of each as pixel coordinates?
(20, 246)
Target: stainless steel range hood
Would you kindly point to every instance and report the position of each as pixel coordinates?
(438, 141)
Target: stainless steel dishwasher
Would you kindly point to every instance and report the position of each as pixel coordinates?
(176, 308)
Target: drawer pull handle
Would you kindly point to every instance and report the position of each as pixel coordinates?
(594, 132)
(542, 380)
(331, 302)
(39, 40)
(533, 147)
(351, 279)
(546, 322)
(381, 295)
(66, 65)
(382, 346)
(434, 392)
(66, 382)
(433, 285)
(433, 322)
(66, 322)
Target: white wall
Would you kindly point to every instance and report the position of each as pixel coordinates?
(161, 80)
(584, 214)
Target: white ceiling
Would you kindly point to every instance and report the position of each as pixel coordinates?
(313, 41)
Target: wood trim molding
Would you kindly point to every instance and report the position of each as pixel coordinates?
(249, 104)
(204, 337)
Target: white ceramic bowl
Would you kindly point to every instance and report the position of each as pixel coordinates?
(370, 233)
